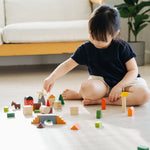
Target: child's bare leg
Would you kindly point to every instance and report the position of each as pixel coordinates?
(69, 94)
(89, 90)
(138, 95)
(93, 90)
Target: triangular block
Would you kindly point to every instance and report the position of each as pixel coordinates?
(60, 120)
(36, 120)
(76, 127)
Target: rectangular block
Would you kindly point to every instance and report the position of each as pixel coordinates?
(48, 117)
(27, 110)
(10, 115)
(74, 110)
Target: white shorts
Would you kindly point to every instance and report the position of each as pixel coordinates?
(138, 81)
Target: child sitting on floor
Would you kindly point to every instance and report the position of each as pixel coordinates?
(110, 61)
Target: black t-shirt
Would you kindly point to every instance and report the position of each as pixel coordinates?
(108, 63)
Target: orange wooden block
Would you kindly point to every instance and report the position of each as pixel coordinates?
(60, 120)
(103, 104)
(76, 127)
(131, 111)
(36, 120)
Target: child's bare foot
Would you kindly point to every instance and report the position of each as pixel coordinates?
(86, 102)
(71, 94)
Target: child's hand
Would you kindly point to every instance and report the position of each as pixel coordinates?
(48, 84)
(115, 93)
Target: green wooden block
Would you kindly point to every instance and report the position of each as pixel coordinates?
(141, 147)
(10, 115)
(98, 124)
(61, 99)
(36, 111)
(6, 109)
(99, 114)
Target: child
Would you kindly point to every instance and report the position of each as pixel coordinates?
(110, 61)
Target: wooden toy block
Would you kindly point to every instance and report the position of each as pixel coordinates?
(98, 124)
(57, 105)
(60, 120)
(10, 115)
(36, 120)
(36, 111)
(48, 123)
(28, 100)
(36, 106)
(40, 126)
(99, 114)
(103, 104)
(76, 127)
(27, 110)
(131, 111)
(48, 104)
(45, 109)
(61, 99)
(6, 109)
(17, 106)
(51, 100)
(124, 95)
(51, 117)
(141, 147)
(74, 110)
(41, 98)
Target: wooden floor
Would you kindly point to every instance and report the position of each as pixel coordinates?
(119, 131)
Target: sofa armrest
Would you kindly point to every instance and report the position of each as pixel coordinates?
(99, 2)
(1, 41)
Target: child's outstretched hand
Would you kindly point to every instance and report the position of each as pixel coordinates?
(48, 84)
(115, 93)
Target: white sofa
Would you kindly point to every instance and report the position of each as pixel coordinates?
(35, 27)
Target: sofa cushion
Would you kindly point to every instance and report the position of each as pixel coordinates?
(46, 32)
(2, 18)
(1, 42)
(18, 11)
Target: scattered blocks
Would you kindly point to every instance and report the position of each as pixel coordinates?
(28, 100)
(6, 109)
(99, 114)
(141, 147)
(76, 127)
(98, 124)
(51, 100)
(74, 110)
(103, 104)
(57, 105)
(10, 115)
(61, 99)
(131, 111)
(27, 110)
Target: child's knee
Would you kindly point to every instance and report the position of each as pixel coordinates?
(144, 96)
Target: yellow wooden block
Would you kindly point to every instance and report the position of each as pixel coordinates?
(124, 94)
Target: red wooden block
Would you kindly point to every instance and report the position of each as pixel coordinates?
(103, 104)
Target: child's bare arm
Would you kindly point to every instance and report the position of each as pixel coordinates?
(60, 71)
(128, 78)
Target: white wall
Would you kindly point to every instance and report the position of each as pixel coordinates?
(52, 59)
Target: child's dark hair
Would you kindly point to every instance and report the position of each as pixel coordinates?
(104, 20)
